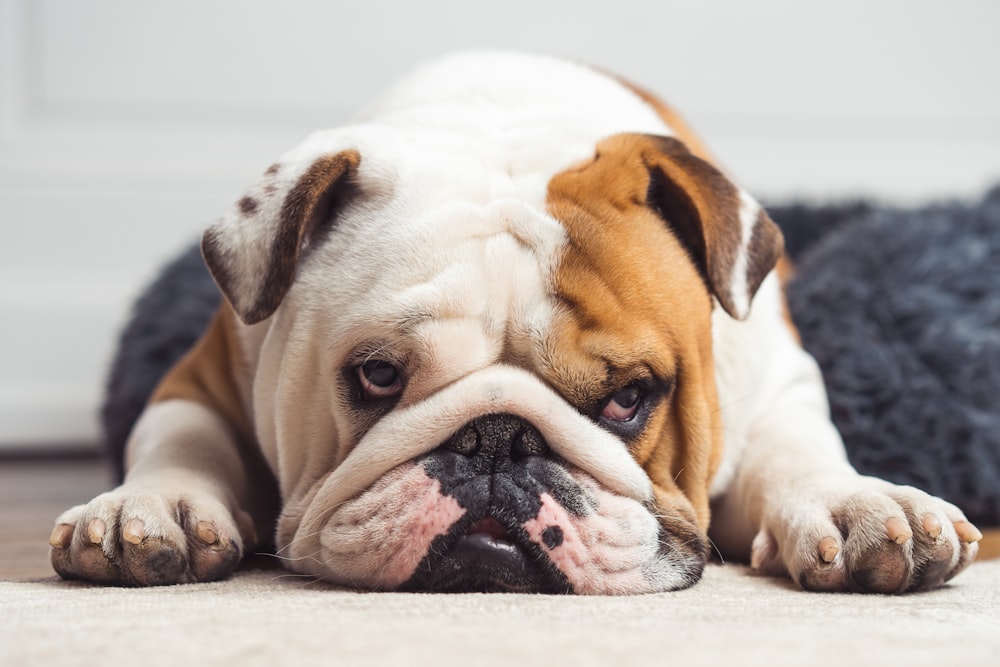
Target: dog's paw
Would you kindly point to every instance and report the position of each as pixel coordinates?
(144, 538)
(876, 537)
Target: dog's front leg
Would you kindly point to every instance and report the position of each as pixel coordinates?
(801, 508)
(182, 514)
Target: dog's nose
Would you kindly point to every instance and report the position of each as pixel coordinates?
(497, 435)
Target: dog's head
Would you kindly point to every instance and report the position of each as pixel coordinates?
(468, 378)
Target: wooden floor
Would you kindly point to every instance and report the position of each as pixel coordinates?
(34, 492)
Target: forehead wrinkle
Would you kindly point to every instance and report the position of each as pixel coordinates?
(464, 258)
(408, 322)
(495, 279)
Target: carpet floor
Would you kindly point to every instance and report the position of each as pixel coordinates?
(270, 617)
(267, 617)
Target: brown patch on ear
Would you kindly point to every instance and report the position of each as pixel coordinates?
(711, 217)
(312, 200)
(688, 208)
(729, 238)
(206, 374)
(256, 269)
(767, 248)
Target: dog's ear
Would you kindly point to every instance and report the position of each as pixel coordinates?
(730, 237)
(253, 251)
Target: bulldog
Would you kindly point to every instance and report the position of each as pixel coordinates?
(511, 330)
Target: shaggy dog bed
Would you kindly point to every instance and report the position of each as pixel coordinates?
(901, 308)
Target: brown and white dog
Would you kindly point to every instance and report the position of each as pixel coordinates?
(497, 334)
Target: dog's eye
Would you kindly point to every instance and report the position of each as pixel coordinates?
(379, 379)
(623, 404)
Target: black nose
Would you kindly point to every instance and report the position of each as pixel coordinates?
(498, 435)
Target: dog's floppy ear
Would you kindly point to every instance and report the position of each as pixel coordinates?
(730, 237)
(253, 251)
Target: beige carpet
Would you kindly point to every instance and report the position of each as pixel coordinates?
(270, 618)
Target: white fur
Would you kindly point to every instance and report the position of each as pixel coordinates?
(739, 291)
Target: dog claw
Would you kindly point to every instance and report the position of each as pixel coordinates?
(967, 532)
(96, 530)
(206, 533)
(828, 549)
(134, 531)
(61, 536)
(931, 525)
(897, 530)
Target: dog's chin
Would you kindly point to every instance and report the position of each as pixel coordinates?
(485, 557)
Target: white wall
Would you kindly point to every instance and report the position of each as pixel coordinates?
(126, 126)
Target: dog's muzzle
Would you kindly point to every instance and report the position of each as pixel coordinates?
(496, 467)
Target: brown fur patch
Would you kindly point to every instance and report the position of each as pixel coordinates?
(638, 307)
(248, 205)
(786, 271)
(207, 375)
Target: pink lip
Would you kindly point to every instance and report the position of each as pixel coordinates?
(490, 527)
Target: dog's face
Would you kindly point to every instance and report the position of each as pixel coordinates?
(467, 378)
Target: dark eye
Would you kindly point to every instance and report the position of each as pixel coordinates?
(379, 379)
(623, 404)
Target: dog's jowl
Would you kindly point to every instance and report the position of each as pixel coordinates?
(511, 331)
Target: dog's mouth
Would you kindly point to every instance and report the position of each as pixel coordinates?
(490, 536)
(485, 556)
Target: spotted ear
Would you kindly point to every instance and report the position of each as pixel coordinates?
(253, 251)
(730, 237)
